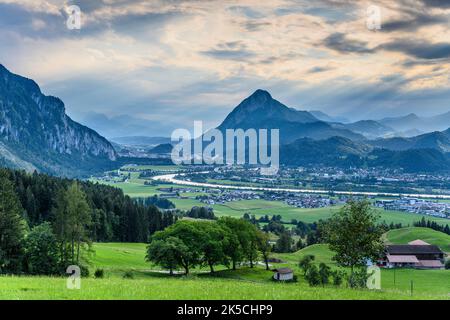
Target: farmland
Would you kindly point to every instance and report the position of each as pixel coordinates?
(136, 188)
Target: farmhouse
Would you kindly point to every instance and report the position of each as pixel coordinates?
(416, 254)
(283, 274)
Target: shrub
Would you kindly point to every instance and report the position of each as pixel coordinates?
(324, 273)
(338, 277)
(128, 275)
(99, 273)
(84, 271)
(447, 264)
(313, 276)
(41, 250)
(358, 279)
(306, 262)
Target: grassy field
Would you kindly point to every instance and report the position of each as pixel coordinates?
(184, 288)
(245, 283)
(405, 235)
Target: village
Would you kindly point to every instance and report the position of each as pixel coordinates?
(417, 206)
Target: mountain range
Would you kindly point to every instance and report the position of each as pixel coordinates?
(413, 123)
(260, 110)
(36, 134)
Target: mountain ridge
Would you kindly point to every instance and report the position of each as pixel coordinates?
(35, 129)
(261, 111)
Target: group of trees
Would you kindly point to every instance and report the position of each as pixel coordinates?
(46, 223)
(114, 216)
(46, 248)
(197, 212)
(432, 225)
(319, 275)
(159, 202)
(227, 241)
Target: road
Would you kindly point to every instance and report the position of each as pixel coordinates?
(171, 178)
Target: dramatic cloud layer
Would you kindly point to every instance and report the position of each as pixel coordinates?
(172, 61)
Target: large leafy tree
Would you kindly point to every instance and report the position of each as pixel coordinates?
(246, 247)
(12, 227)
(215, 242)
(168, 253)
(354, 235)
(234, 247)
(191, 237)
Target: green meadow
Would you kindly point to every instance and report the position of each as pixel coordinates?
(244, 283)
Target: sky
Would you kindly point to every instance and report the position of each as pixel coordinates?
(148, 67)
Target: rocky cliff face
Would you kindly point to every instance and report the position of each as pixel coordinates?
(35, 129)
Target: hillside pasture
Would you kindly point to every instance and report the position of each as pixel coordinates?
(405, 235)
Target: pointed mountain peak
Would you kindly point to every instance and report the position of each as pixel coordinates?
(261, 94)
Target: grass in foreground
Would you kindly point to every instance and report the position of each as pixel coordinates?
(184, 288)
(244, 283)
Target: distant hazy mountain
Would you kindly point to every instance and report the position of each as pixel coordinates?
(140, 140)
(369, 128)
(404, 123)
(413, 122)
(35, 132)
(434, 140)
(124, 125)
(261, 111)
(322, 116)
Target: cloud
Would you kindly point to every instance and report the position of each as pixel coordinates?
(412, 23)
(319, 69)
(341, 43)
(233, 50)
(436, 3)
(419, 49)
(196, 59)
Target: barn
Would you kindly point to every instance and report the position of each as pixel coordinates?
(416, 254)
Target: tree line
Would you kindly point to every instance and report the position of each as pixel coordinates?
(432, 225)
(47, 223)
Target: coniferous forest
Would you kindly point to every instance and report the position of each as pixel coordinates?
(44, 218)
